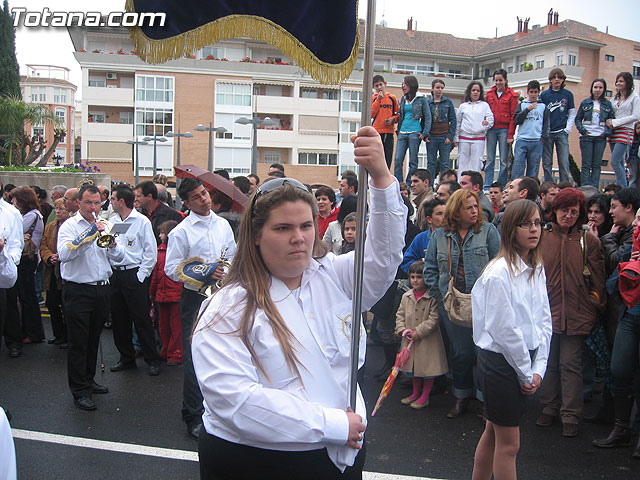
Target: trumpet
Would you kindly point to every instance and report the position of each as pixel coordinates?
(208, 289)
(104, 240)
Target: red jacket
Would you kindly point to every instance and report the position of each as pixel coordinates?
(162, 288)
(503, 108)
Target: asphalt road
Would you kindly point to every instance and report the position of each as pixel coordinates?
(55, 440)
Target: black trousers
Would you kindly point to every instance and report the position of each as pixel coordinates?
(3, 310)
(85, 309)
(56, 311)
(223, 460)
(31, 319)
(387, 144)
(12, 328)
(130, 305)
(192, 408)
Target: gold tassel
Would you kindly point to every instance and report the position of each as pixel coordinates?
(237, 26)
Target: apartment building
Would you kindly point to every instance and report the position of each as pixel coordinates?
(126, 99)
(49, 85)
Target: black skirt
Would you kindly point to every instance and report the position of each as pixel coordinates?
(504, 401)
(223, 460)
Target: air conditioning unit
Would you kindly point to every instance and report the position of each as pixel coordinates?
(112, 76)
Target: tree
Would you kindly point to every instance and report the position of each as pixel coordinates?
(9, 70)
(17, 147)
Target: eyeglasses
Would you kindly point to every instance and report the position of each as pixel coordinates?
(569, 213)
(270, 185)
(528, 225)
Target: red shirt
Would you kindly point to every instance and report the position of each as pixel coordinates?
(323, 222)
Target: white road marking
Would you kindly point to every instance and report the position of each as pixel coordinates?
(159, 452)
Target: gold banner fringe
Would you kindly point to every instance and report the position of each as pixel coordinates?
(90, 238)
(238, 26)
(185, 278)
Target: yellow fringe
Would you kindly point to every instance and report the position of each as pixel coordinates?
(185, 278)
(71, 246)
(238, 26)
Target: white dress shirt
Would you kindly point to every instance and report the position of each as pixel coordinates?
(511, 316)
(139, 244)
(198, 236)
(16, 229)
(282, 411)
(88, 263)
(10, 255)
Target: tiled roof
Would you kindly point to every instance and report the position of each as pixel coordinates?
(443, 43)
(40, 80)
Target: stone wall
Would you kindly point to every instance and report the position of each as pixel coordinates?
(48, 180)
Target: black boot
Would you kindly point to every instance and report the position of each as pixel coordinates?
(605, 414)
(389, 360)
(620, 436)
(636, 452)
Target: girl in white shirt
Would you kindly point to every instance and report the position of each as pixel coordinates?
(512, 328)
(475, 118)
(271, 348)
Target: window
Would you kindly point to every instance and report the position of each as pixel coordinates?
(609, 58)
(347, 129)
(38, 94)
(559, 58)
(154, 89)
(424, 69)
(636, 69)
(96, 83)
(153, 121)
(225, 135)
(233, 94)
(210, 53)
(608, 94)
(309, 93)
(61, 115)
(539, 61)
(305, 158)
(329, 94)
(572, 59)
(378, 67)
(34, 94)
(352, 100)
(59, 95)
(96, 117)
(271, 156)
(487, 72)
(43, 94)
(275, 59)
(38, 131)
(126, 118)
(510, 69)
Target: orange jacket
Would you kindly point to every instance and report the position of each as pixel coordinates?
(382, 109)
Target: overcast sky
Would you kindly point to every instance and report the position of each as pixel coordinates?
(462, 18)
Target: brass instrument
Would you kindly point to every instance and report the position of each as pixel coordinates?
(104, 240)
(208, 289)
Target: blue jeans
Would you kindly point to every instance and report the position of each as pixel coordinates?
(625, 355)
(412, 141)
(499, 136)
(526, 154)
(561, 141)
(591, 149)
(619, 152)
(462, 356)
(436, 145)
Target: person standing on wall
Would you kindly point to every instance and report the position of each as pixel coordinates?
(384, 114)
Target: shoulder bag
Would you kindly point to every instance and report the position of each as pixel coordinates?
(457, 304)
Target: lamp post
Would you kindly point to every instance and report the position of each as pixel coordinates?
(155, 139)
(178, 136)
(255, 121)
(136, 161)
(210, 129)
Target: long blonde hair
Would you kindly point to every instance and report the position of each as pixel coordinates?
(515, 213)
(458, 201)
(249, 271)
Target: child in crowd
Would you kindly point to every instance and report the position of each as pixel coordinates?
(348, 233)
(532, 119)
(165, 293)
(417, 320)
(474, 119)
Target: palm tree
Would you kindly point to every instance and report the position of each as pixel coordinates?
(19, 148)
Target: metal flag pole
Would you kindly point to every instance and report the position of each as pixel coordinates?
(363, 183)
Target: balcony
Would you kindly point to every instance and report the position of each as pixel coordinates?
(110, 97)
(107, 131)
(285, 105)
(520, 79)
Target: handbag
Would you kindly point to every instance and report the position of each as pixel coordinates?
(456, 303)
(29, 250)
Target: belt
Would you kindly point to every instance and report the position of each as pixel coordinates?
(122, 268)
(99, 283)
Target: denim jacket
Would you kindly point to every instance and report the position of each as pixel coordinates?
(477, 253)
(419, 111)
(446, 113)
(586, 110)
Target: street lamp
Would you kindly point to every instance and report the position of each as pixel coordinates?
(136, 161)
(255, 121)
(178, 136)
(210, 129)
(155, 139)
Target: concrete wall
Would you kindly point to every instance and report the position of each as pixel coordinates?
(48, 180)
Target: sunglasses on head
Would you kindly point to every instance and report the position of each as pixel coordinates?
(270, 185)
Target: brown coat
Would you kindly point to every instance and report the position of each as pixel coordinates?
(428, 357)
(574, 310)
(48, 247)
